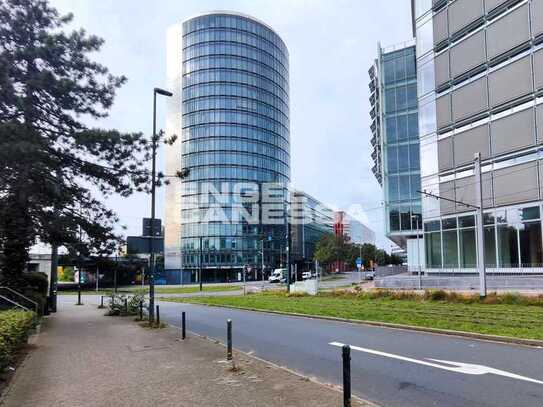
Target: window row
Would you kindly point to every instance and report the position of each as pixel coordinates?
(233, 22)
(228, 259)
(400, 128)
(234, 158)
(406, 217)
(224, 214)
(204, 186)
(401, 98)
(504, 86)
(517, 243)
(403, 187)
(237, 233)
(234, 36)
(399, 67)
(234, 49)
(234, 117)
(402, 158)
(237, 173)
(245, 86)
(232, 103)
(226, 74)
(227, 144)
(208, 131)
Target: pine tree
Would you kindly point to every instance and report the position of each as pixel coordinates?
(50, 161)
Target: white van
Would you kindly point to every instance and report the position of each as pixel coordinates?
(277, 276)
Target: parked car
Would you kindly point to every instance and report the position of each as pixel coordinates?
(306, 275)
(278, 276)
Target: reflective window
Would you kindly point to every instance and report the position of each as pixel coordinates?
(450, 249)
(426, 78)
(425, 37)
(530, 244)
(468, 251)
(432, 243)
(422, 7)
(490, 246)
(508, 246)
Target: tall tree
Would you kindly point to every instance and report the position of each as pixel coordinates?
(331, 248)
(50, 160)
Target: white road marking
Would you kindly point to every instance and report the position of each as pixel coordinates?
(457, 367)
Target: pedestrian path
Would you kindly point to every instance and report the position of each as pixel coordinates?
(83, 358)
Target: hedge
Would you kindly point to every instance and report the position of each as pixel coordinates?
(14, 327)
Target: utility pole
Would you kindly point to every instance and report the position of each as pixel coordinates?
(480, 229)
(287, 244)
(200, 264)
(54, 278)
(418, 250)
(262, 247)
(80, 268)
(361, 265)
(97, 276)
(115, 271)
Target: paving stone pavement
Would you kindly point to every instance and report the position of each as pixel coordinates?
(83, 358)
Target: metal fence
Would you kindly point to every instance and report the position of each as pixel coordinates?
(383, 271)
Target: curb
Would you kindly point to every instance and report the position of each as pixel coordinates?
(437, 331)
(333, 387)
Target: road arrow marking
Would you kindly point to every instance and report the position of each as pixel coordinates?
(457, 367)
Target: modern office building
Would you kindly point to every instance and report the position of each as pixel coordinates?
(480, 88)
(311, 220)
(352, 229)
(395, 141)
(230, 77)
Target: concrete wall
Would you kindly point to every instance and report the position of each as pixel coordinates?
(460, 283)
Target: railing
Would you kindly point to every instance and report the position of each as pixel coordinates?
(14, 303)
(34, 305)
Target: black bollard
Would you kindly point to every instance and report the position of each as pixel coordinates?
(157, 316)
(183, 326)
(126, 305)
(141, 310)
(101, 301)
(229, 339)
(346, 376)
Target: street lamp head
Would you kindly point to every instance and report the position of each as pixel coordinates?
(163, 92)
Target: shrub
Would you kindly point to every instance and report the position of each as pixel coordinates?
(511, 298)
(437, 295)
(116, 306)
(14, 327)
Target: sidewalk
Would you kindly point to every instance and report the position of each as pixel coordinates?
(83, 358)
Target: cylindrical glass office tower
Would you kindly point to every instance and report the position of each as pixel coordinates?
(234, 129)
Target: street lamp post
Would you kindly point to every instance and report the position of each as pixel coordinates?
(153, 196)
(418, 251)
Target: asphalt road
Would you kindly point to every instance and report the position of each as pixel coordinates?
(391, 368)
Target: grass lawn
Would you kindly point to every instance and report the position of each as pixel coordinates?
(195, 289)
(506, 316)
(159, 290)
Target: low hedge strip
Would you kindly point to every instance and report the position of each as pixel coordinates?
(14, 328)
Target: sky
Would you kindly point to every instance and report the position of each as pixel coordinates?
(332, 44)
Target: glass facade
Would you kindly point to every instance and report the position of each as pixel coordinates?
(400, 140)
(512, 239)
(311, 220)
(235, 129)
